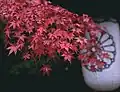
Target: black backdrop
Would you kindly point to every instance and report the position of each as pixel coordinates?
(60, 80)
(95, 8)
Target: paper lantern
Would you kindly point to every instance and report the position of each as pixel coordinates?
(108, 78)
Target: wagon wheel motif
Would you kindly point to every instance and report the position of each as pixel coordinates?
(107, 45)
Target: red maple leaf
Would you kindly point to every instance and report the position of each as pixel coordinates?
(49, 21)
(92, 68)
(22, 37)
(58, 33)
(46, 69)
(51, 36)
(7, 32)
(26, 56)
(20, 45)
(14, 24)
(92, 60)
(100, 64)
(74, 48)
(40, 30)
(67, 56)
(66, 35)
(84, 63)
(81, 40)
(81, 57)
(65, 45)
(70, 36)
(12, 48)
(105, 55)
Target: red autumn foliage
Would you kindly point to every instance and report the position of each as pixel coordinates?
(46, 69)
(36, 27)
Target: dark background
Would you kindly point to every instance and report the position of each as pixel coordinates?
(60, 80)
(94, 8)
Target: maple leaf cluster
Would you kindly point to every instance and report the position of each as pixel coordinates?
(37, 28)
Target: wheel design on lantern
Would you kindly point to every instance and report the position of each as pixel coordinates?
(106, 45)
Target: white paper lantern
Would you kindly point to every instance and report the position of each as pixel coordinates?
(109, 78)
